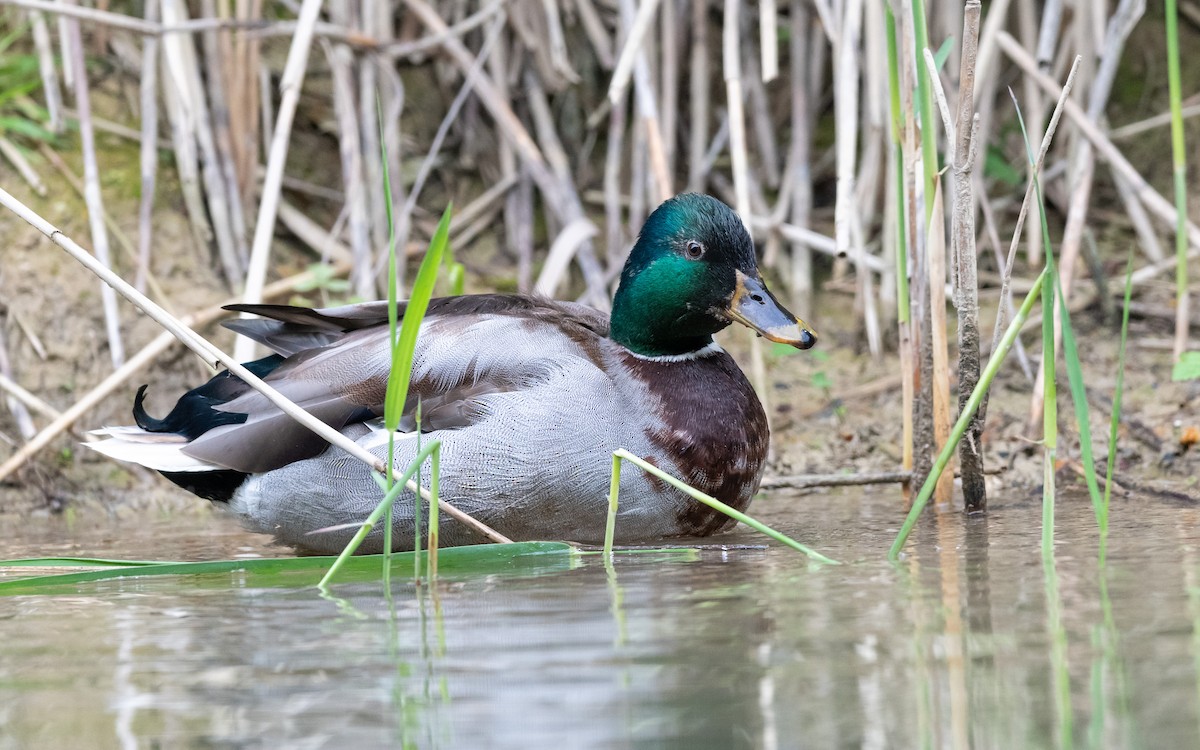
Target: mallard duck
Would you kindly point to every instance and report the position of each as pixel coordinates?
(529, 397)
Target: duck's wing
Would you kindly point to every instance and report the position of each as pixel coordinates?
(337, 365)
(286, 329)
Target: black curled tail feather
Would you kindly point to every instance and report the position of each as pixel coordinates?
(195, 413)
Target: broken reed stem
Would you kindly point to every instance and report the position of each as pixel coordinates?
(351, 153)
(963, 253)
(800, 155)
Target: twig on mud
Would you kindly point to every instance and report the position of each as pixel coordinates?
(806, 481)
(184, 333)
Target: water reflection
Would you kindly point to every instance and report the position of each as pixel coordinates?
(965, 644)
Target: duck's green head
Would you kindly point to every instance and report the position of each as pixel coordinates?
(692, 273)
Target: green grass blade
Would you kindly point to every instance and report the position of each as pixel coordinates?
(1179, 163)
(414, 313)
(960, 427)
(393, 295)
(381, 510)
(614, 489)
(1079, 399)
(894, 108)
(711, 502)
(1049, 409)
(303, 571)
(1115, 423)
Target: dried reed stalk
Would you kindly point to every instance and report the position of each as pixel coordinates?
(148, 154)
(92, 196)
(800, 152)
(49, 73)
(935, 247)
(264, 224)
(963, 252)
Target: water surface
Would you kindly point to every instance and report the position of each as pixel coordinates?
(965, 643)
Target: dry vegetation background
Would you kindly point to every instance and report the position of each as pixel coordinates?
(221, 149)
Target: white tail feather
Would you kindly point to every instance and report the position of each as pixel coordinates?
(161, 451)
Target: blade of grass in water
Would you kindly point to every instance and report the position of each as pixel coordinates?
(1049, 282)
(960, 427)
(406, 343)
(1118, 392)
(1049, 412)
(392, 492)
(1079, 399)
(712, 502)
(482, 559)
(393, 294)
(403, 338)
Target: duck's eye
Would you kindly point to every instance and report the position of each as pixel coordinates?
(694, 250)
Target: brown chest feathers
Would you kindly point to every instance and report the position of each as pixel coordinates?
(711, 425)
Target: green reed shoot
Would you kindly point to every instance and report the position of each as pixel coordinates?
(382, 510)
(1049, 282)
(1050, 406)
(972, 406)
(615, 487)
(894, 108)
(1179, 162)
(402, 334)
(1079, 399)
(1115, 423)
